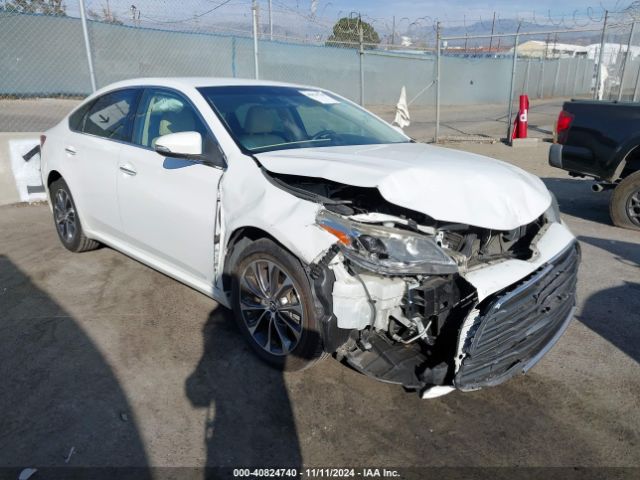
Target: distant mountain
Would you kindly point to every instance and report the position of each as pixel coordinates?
(503, 26)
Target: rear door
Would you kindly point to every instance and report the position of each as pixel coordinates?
(168, 205)
(92, 150)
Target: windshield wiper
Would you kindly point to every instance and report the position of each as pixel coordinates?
(291, 143)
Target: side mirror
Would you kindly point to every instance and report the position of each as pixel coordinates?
(180, 145)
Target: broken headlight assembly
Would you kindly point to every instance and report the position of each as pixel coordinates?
(387, 250)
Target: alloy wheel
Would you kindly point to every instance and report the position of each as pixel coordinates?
(65, 215)
(633, 207)
(270, 307)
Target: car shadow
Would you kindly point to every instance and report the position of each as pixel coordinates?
(576, 198)
(613, 313)
(61, 403)
(250, 422)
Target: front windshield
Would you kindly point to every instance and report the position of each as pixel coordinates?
(266, 118)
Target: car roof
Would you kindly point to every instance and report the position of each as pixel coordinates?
(194, 82)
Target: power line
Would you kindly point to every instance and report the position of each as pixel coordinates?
(191, 18)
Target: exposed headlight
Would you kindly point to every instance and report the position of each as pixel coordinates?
(553, 212)
(385, 249)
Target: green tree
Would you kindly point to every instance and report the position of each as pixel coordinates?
(44, 7)
(346, 34)
(105, 16)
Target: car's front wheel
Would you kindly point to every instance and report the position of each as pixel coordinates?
(67, 221)
(273, 306)
(625, 203)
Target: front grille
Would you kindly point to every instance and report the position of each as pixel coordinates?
(518, 325)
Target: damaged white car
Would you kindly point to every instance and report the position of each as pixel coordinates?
(325, 229)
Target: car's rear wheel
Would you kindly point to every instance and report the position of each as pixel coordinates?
(66, 219)
(273, 306)
(625, 203)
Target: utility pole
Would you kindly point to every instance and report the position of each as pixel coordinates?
(493, 24)
(108, 15)
(393, 31)
(270, 23)
(546, 46)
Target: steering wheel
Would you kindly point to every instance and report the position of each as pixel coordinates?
(324, 134)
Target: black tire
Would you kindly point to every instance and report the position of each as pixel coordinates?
(309, 348)
(74, 240)
(625, 203)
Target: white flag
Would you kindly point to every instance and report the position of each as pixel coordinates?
(402, 110)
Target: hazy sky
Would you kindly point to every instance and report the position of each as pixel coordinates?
(452, 13)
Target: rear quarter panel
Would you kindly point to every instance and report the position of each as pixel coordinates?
(601, 135)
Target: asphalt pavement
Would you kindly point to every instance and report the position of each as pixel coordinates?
(106, 362)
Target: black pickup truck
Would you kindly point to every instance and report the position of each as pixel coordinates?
(602, 140)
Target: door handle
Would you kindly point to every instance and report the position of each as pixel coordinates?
(128, 169)
(70, 150)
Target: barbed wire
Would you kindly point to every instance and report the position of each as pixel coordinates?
(300, 20)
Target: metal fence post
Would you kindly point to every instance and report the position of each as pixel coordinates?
(635, 89)
(87, 45)
(513, 79)
(575, 77)
(437, 80)
(566, 78)
(627, 55)
(601, 56)
(361, 56)
(554, 90)
(254, 11)
(542, 62)
(526, 77)
(270, 23)
(233, 57)
(588, 77)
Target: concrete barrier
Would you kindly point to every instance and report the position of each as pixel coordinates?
(19, 178)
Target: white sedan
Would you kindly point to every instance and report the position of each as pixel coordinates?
(325, 229)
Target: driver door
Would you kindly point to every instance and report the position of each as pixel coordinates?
(168, 205)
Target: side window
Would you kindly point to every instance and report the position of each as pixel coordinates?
(163, 112)
(111, 116)
(76, 120)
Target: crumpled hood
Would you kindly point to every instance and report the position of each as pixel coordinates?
(448, 185)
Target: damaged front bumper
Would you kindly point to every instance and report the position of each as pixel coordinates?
(507, 316)
(510, 331)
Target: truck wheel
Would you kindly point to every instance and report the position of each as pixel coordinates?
(65, 216)
(625, 203)
(273, 306)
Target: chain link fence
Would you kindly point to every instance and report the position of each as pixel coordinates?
(483, 76)
(458, 87)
